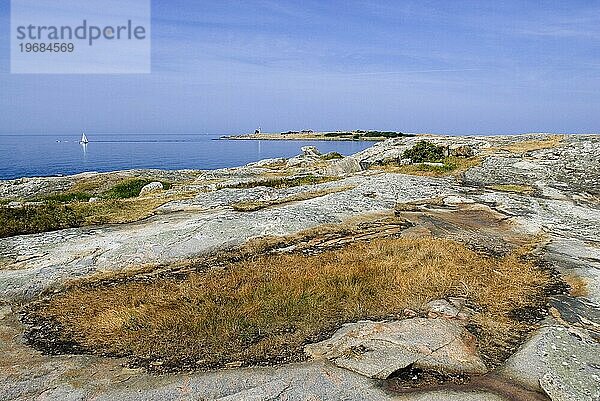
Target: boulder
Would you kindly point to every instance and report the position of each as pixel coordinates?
(563, 362)
(462, 151)
(152, 187)
(347, 165)
(310, 151)
(378, 349)
(93, 200)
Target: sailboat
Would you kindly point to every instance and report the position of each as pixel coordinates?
(84, 139)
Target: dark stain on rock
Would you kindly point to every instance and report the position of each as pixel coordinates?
(413, 381)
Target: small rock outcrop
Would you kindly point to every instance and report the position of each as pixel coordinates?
(378, 349)
(309, 155)
(152, 187)
(310, 151)
(454, 308)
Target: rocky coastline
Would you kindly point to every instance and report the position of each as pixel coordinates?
(491, 194)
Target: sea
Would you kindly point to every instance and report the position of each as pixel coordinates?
(31, 155)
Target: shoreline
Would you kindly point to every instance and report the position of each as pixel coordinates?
(253, 137)
(201, 153)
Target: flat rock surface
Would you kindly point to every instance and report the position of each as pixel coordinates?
(378, 349)
(31, 263)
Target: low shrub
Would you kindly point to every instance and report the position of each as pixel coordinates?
(336, 134)
(424, 151)
(332, 156)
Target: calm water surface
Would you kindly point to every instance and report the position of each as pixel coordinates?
(45, 155)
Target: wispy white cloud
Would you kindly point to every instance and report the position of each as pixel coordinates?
(576, 23)
(414, 71)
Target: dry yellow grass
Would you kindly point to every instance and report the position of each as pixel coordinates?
(97, 183)
(116, 211)
(452, 166)
(265, 308)
(527, 146)
(521, 189)
(577, 285)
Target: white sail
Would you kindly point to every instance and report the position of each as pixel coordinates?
(83, 138)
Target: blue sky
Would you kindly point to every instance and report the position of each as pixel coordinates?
(460, 67)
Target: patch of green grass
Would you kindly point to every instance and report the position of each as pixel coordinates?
(96, 184)
(32, 219)
(282, 182)
(53, 216)
(118, 203)
(424, 151)
(67, 197)
(130, 188)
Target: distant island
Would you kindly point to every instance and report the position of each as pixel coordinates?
(308, 134)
